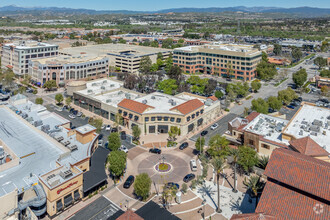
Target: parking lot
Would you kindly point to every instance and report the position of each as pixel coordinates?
(221, 129)
(79, 121)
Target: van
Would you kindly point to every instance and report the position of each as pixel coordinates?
(193, 165)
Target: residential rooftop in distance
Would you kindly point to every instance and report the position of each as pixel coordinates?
(312, 121)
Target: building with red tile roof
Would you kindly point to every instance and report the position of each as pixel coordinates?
(252, 216)
(297, 187)
(134, 106)
(188, 106)
(129, 215)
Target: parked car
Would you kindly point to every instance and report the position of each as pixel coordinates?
(290, 106)
(214, 126)
(100, 143)
(123, 135)
(188, 177)
(71, 110)
(59, 109)
(114, 130)
(79, 114)
(203, 133)
(171, 184)
(123, 148)
(100, 136)
(184, 145)
(129, 181)
(193, 165)
(75, 112)
(103, 126)
(72, 116)
(155, 151)
(106, 145)
(108, 128)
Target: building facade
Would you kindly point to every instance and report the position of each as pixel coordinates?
(67, 68)
(218, 59)
(17, 55)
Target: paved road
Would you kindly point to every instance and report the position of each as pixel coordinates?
(100, 209)
(223, 127)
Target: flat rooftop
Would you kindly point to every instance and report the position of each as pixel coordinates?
(59, 176)
(65, 59)
(311, 121)
(96, 87)
(29, 44)
(267, 126)
(37, 153)
(124, 50)
(113, 98)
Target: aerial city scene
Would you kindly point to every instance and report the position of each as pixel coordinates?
(164, 110)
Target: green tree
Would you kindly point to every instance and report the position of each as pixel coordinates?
(168, 194)
(277, 49)
(324, 46)
(218, 146)
(68, 101)
(50, 84)
(266, 71)
(229, 70)
(325, 73)
(218, 94)
(117, 162)
(154, 44)
(254, 185)
(168, 63)
(114, 141)
(287, 95)
(39, 101)
(145, 65)
(255, 85)
(142, 185)
(320, 62)
(264, 57)
(59, 98)
(247, 158)
(7, 78)
(219, 165)
(296, 53)
(274, 103)
(260, 105)
(160, 56)
(118, 120)
(22, 89)
(174, 132)
(175, 72)
(199, 144)
(136, 132)
(299, 77)
(97, 123)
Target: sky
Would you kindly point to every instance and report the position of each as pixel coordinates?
(152, 5)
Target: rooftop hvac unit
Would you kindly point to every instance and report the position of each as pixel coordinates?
(104, 81)
(89, 91)
(128, 96)
(153, 97)
(54, 181)
(50, 176)
(144, 101)
(174, 103)
(301, 132)
(94, 84)
(314, 133)
(317, 122)
(314, 128)
(112, 85)
(324, 132)
(120, 92)
(108, 101)
(102, 87)
(170, 100)
(72, 147)
(65, 173)
(37, 123)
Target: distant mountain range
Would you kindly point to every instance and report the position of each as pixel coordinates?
(302, 11)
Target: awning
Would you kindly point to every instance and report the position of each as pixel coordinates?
(68, 200)
(76, 195)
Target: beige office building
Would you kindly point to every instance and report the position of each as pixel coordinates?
(216, 58)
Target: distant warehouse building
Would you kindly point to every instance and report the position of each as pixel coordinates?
(17, 55)
(123, 56)
(68, 68)
(215, 59)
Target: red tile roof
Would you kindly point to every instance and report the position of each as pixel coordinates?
(308, 146)
(252, 116)
(188, 106)
(213, 98)
(134, 105)
(300, 171)
(129, 215)
(252, 216)
(285, 203)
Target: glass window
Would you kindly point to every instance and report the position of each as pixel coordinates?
(166, 118)
(197, 113)
(202, 111)
(193, 116)
(125, 113)
(136, 118)
(178, 120)
(172, 119)
(152, 129)
(153, 118)
(146, 119)
(188, 118)
(159, 118)
(130, 115)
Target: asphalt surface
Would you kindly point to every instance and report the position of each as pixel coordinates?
(100, 209)
(223, 127)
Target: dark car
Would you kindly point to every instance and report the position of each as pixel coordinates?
(171, 185)
(75, 112)
(203, 133)
(294, 104)
(106, 145)
(123, 135)
(155, 151)
(183, 145)
(100, 136)
(270, 110)
(290, 106)
(71, 110)
(324, 100)
(114, 129)
(189, 177)
(129, 181)
(73, 127)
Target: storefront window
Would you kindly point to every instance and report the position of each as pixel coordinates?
(178, 120)
(152, 129)
(172, 119)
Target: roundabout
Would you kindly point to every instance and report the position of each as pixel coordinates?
(163, 167)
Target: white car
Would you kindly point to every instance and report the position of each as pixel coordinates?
(108, 128)
(100, 143)
(103, 126)
(59, 109)
(214, 126)
(72, 116)
(123, 148)
(79, 114)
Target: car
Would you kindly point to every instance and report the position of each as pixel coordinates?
(324, 100)
(184, 145)
(114, 130)
(129, 181)
(123, 148)
(193, 165)
(72, 116)
(100, 137)
(270, 110)
(103, 126)
(203, 133)
(59, 109)
(294, 104)
(123, 135)
(29, 90)
(106, 145)
(71, 110)
(79, 114)
(188, 177)
(290, 106)
(75, 112)
(73, 127)
(214, 126)
(171, 185)
(100, 143)
(155, 151)
(108, 128)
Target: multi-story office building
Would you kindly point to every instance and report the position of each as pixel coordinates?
(123, 56)
(17, 55)
(216, 59)
(67, 68)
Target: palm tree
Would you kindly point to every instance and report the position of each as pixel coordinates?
(235, 154)
(218, 165)
(254, 185)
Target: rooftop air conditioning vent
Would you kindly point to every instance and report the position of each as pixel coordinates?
(108, 101)
(66, 173)
(144, 101)
(102, 87)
